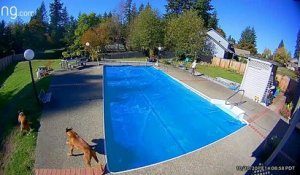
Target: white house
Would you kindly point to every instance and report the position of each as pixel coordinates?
(220, 46)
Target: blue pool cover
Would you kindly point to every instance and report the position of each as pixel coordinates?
(149, 117)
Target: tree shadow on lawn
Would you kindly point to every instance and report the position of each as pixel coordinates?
(4, 75)
(24, 101)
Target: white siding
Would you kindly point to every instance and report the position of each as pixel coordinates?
(256, 78)
(218, 50)
(218, 38)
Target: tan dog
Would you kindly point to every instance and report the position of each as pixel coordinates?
(24, 126)
(75, 141)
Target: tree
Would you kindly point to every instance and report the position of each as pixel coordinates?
(35, 35)
(64, 17)
(141, 8)
(248, 36)
(128, 11)
(98, 37)
(70, 28)
(282, 56)
(134, 11)
(267, 54)
(146, 31)
(221, 32)
(248, 46)
(105, 15)
(115, 29)
(204, 8)
(84, 23)
(5, 40)
(248, 40)
(281, 44)
(177, 7)
(213, 21)
(231, 39)
(297, 47)
(58, 15)
(56, 9)
(41, 14)
(184, 37)
(17, 30)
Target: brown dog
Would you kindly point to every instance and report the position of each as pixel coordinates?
(75, 141)
(24, 126)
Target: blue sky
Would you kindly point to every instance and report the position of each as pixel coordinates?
(273, 20)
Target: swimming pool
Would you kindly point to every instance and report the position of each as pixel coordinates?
(150, 117)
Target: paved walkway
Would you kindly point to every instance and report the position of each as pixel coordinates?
(77, 103)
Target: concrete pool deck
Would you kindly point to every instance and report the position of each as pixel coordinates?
(77, 102)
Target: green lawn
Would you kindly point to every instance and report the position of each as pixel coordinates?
(219, 72)
(16, 94)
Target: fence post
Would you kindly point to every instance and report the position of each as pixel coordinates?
(239, 70)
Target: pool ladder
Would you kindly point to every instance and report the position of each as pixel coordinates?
(236, 103)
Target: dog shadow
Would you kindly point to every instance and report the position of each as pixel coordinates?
(79, 154)
(99, 146)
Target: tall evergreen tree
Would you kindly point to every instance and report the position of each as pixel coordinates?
(41, 17)
(57, 22)
(69, 36)
(41, 14)
(5, 40)
(148, 6)
(36, 31)
(109, 15)
(17, 29)
(204, 8)
(35, 35)
(231, 39)
(56, 9)
(281, 44)
(105, 15)
(128, 11)
(248, 36)
(248, 40)
(64, 16)
(297, 47)
(176, 7)
(141, 8)
(134, 11)
(213, 20)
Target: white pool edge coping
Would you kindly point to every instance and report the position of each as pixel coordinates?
(234, 109)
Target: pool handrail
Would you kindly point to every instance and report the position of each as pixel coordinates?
(237, 103)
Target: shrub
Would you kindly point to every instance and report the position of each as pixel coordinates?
(180, 54)
(287, 110)
(53, 54)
